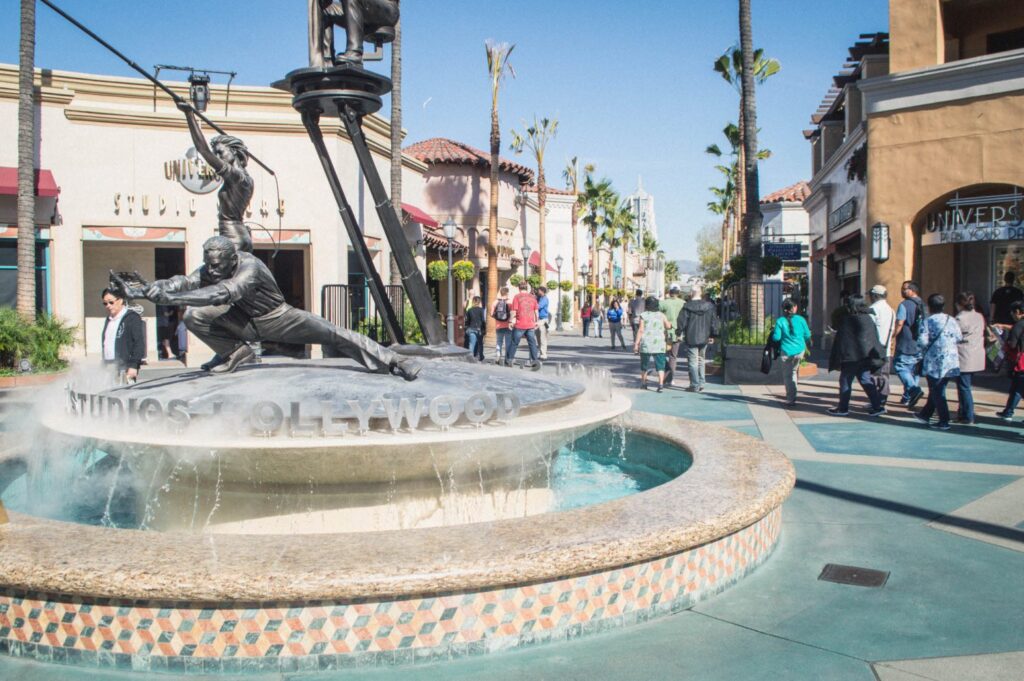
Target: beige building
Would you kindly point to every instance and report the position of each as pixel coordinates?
(942, 131)
(121, 188)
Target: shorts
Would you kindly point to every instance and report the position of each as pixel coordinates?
(658, 358)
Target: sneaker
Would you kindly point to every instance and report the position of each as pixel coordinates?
(790, 403)
(877, 412)
(660, 388)
(939, 426)
(915, 398)
(1004, 415)
(920, 419)
(836, 411)
(964, 422)
(700, 389)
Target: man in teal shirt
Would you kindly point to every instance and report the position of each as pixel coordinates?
(671, 307)
(792, 333)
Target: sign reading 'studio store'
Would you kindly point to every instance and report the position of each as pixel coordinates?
(982, 218)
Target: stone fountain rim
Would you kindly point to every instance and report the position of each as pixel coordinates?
(734, 481)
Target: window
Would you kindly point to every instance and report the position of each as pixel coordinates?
(1004, 41)
(9, 274)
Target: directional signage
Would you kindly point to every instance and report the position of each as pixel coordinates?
(784, 251)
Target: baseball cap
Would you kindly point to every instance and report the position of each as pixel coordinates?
(878, 290)
(674, 288)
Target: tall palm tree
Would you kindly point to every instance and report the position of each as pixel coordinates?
(536, 139)
(497, 66)
(572, 182)
(612, 238)
(732, 173)
(730, 67)
(396, 137)
(596, 203)
(26, 300)
(752, 209)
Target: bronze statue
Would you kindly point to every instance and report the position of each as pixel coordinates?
(228, 158)
(233, 300)
(363, 20)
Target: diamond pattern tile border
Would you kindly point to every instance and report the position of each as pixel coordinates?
(250, 637)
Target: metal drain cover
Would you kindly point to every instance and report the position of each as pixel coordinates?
(856, 576)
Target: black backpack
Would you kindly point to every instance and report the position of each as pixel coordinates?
(501, 310)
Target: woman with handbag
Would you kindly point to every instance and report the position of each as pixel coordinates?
(972, 354)
(856, 352)
(940, 336)
(791, 333)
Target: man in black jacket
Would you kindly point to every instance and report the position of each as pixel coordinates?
(697, 325)
(123, 337)
(857, 353)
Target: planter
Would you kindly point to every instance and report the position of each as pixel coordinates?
(26, 380)
(742, 364)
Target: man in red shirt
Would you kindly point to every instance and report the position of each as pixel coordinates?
(524, 323)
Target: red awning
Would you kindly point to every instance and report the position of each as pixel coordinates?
(45, 184)
(535, 261)
(417, 215)
(832, 247)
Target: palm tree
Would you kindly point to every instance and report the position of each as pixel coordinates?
(497, 66)
(595, 203)
(26, 300)
(730, 209)
(536, 140)
(396, 138)
(730, 67)
(752, 217)
(572, 182)
(612, 238)
(624, 222)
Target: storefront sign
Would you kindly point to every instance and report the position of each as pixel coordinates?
(784, 251)
(842, 215)
(981, 218)
(193, 173)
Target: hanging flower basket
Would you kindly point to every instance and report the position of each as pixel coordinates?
(463, 270)
(437, 270)
(566, 285)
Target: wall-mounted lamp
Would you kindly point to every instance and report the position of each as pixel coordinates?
(880, 242)
(199, 90)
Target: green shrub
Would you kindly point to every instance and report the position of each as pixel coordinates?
(15, 338)
(462, 270)
(41, 342)
(437, 270)
(552, 284)
(515, 279)
(534, 281)
(566, 308)
(770, 265)
(566, 285)
(411, 326)
(738, 332)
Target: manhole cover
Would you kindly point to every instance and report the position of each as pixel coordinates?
(857, 576)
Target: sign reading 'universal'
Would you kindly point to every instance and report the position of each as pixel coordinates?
(268, 418)
(192, 172)
(979, 218)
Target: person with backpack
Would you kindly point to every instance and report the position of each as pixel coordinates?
(1014, 349)
(791, 333)
(697, 325)
(501, 313)
(909, 316)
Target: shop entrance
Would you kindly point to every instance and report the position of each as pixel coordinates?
(289, 270)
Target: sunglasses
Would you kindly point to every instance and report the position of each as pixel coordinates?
(109, 302)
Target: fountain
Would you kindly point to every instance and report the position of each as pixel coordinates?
(309, 515)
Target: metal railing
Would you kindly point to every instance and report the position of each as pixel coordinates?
(353, 308)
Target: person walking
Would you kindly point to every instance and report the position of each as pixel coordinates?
(543, 319)
(524, 323)
(124, 338)
(972, 354)
(650, 341)
(1014, 349)
(792, 333)
(909, 318)
(1004, 297)
(501, 313)
(856, 352)
(885, 324)
(940, 336)
(476, 326)
(614, 315)
(597, 314)
(636, 308)
(586, 313)
(697, 326)
(672, 306)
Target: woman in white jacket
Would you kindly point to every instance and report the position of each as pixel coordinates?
(971, 351)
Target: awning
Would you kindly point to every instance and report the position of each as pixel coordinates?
(440, 243)
(535, 261)
(417, 215)
(831, 248)
(45, 184)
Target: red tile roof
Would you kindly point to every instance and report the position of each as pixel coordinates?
(796, 193)
(551, 190)
(442, 150)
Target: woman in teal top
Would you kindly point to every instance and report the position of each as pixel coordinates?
(792, 333)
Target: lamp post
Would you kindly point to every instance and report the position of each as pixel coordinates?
(880, 242)
(525, 250)
(449, 234)
(199, 90)
(584, 270)
(558, 263)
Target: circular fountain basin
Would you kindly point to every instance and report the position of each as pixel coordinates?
(182, 602)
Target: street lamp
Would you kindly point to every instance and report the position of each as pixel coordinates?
(449, 234)
(199, 90)
(584, 270)
(558, 263)
(525, 250)
(880, 242)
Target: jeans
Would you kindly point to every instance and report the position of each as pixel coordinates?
(847, 372)
(542, 338)
(1016, 393)
(936, 399)
(586, 326)
(904, 365)
(504, 340)
(634, 323)
(965, 396)
(791, 374)
(695, 362)
(531, 341)
(615, 329)
(475, 343)
(672, 356)
(600, 327)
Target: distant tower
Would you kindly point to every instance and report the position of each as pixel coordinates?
(642, 205)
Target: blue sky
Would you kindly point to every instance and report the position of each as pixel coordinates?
(632, 88)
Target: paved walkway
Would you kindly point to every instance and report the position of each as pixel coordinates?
(942, 512)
